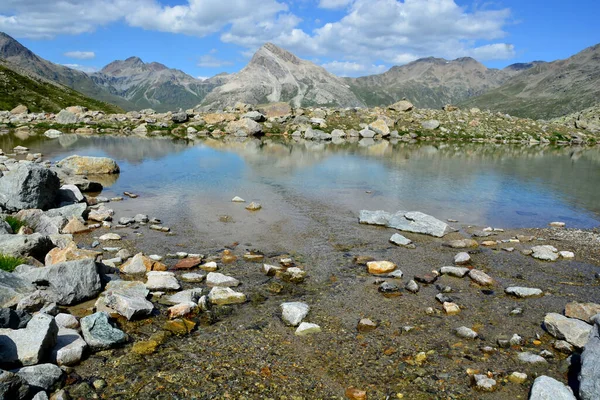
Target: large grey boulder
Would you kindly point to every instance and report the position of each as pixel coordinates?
(128, 298)
(414, 221)
(589, 376)
(13, 387)
(31, 345)
(69, 349)
(28, 186)
(82, 165)
(35, 245)
(546, 388)
(243, 127)
(43, 376)
(99, 333)
(572, 330)
(13, 288)
(72, 281)
(43, 223)
(66, 117)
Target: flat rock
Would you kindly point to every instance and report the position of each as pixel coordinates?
(72, 281)
(31, 345)
(462, 244)
(225, 295)
(545, 253)
(480, 277)
(400, 240)
(589, 376)
(79, 165)
(41, 376)
(185, 296)
(128, 306)
(306, 328)
(188, 263)
(546, 388)
(13, 288)
(414, 221)
(294, 312)
(466, 333)
(523, 292)
(462, 258)
(217, 279)
(458, 272)
(531, 358)
(99, 333)
(181, 310)
(380, 267)
(69, 349)
(162, 280)
(572, 330)
(110, 236)
(582, 311)
(192, 277)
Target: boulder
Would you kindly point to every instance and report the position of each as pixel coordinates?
(546, 388)
(179, 117)
(80, 165)
(243, 127)
(128, 298)
(294, 312)
(35, 245)
(589, 376)
(11, 319)
(13, 289)
(99, 333)
(66, 117)
(380, 127)
(572, 330)
(224, 295)
(31, 345)
(582, 311)
(42, 377)
(70, 194)
(401, 106)
(415, 222)
(72, 281)
(13, 387)
(69, 349)
(28, 186)
(20, 109)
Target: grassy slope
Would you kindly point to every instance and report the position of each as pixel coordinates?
(39, 95)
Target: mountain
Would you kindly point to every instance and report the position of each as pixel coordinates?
(153, 85)
(19, 56)
(428, 82)
(276, 75)
(548, 90)
(39, 94)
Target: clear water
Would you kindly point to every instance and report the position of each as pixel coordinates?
(482, 184)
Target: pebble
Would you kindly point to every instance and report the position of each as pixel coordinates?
(155, 257)
(480, 277)
(531, 358)
(557, 224)
(458, 272)
(110, 236)
(451, 308)
(412, 286)
(366, 325)
(466, 333)
(462, 258)
(254, 206)
(209, 266)
(517, 377)
(427, 278)
(306, 328)
(400, 240)
(238, 199)
(293, 313)
(380, 267)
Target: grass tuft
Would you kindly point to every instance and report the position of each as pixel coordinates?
(15, 223)
(9, 263)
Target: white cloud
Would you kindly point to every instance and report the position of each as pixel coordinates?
(348, 68)
(82, 55)
(497, 51)
(83, 68)
(334, 4)
(202, 78)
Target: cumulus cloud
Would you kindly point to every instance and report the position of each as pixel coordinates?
(348, 68)
(334, 4)
(497, 51)
(82, 55)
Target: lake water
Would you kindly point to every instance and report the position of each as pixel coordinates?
(482, 184)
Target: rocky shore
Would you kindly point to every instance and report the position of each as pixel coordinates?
(401, 305)
(399, 122)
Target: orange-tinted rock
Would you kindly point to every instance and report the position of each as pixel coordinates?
(139, 264)
(69, 253)
(353, 393)
(380, 267)
(75, 226)
(228, 257)
(188, 263)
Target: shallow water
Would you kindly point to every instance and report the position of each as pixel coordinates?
(483, 184)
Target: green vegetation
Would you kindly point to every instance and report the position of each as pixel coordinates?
(9, 263)
(15, 223)
(41, 95)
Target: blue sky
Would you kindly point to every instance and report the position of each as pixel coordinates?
(348, 37)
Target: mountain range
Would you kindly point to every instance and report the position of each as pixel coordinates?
(537, 89)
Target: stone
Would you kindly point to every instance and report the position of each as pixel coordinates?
(65, 117)
(294, 312)
(430, 124)
(589, 375)
(563, 346)
(480, 277)
(388, 288)
(209, 266)
(11, 319)
(523, 292)
(69, 194)
(545, 253)
(180, 326)
(68, 321)
(28, 187)
(217, 279)
(101, 214)
(374, 217)
(20, 109)
(582, 311)
(402, 106)
(569, 255)
(161, 280)
(367, 133)
(129, 306)
(427, 279)
(572, 330)
(243, 127)
(451, 308)
(181, 310)
(31, 345)
(192, 277)
(75, 225)
(557, 224)
(517, 377)
(13, 387)
(380, 127)
(179, 117)
(415, 222)
(254, 206)
(306, 328)
(353, 393)
(462, 243)
(294, 275)
(546, 388)
(457, 272)
(255, 116)
(83, 165)
(140, 264)
(13, 289)
(530, 358)
(99, 333)
(462, 258)
(484, 383)
(366, 325)
(43, 376)
(188, 263)
(185, 296)
(109, 236)
(380, 267)
(5, 228)
(69, 253)
(466, 333)
(225, 295)
(400, 240)
(238, 199)
(71, 281)
(412, 286)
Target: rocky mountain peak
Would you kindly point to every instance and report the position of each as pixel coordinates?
(10, 48)
(270, 51)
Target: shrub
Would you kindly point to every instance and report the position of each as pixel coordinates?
(9, 263)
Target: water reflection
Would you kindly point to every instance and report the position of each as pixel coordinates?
(503, 185)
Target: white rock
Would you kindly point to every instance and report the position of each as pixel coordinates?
(110, 236)
(567, 254)
(483, 383)
(238, 199)
(69, 348)
(68, 321)
(225, 295)
(466, 333)
(458, 272)
(192, 277)
(545, 253)
(531, 358)
(294, 312)
(462, 258)
(217, 279)
(523, 292)
(546, 388)
(306, 328)
(400, 240)
(159, 280)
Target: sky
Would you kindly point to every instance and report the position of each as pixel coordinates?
(347, 37)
